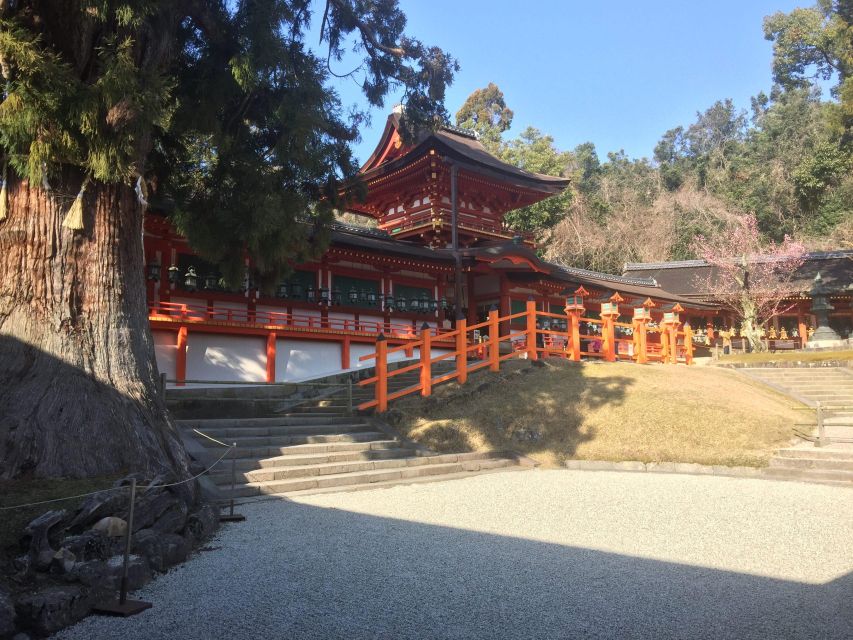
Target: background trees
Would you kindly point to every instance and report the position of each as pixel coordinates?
(788, 162)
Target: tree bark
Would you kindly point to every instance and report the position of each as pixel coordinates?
(78, 381)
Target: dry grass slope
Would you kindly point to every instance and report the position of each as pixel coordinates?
(602, 411)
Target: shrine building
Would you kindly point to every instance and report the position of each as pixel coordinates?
(440, 250)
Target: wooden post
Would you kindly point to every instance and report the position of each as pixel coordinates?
(345, 357)
(641, 354)
(426, 357)
(532, 353)
(608, 335)
(381, 374)
(673, 343)
(664, 342)
(461, 353)
(574, 323)
(688, 344)
(271, 340)
(181, 357)
(494, 344)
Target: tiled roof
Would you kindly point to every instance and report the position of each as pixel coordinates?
(835, 267)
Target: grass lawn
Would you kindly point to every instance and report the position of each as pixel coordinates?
(604, 411)
(786, 356)
(14, 492)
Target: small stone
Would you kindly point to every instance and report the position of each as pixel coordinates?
(111, 526)
(62, 561)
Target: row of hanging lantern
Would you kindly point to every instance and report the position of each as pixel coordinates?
(361, 298)
(322, 295)
(190, 278)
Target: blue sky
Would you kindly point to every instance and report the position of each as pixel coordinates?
(616, 73)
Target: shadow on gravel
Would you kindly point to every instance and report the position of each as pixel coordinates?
(361, 576)
(540, 408)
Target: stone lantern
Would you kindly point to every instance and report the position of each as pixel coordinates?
(824, 336)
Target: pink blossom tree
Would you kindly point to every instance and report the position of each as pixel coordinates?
(749, 276)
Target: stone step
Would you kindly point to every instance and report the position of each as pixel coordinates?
(402, 474)
(812, 463)
(835, 453)
(833, 476)
(240, 434)
(445, 477)
(269, 474)
(297, 437)
(322, 448)
(279, 449)
(394, 449)
(279, 421)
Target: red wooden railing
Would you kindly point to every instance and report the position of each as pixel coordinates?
(674, 344)
(278, 319)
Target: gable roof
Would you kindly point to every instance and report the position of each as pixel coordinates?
(680, 277)
(460, 145)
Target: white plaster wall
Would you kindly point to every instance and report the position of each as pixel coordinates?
(298, 359)
(227, 358)
(165, 352)
(358, 350)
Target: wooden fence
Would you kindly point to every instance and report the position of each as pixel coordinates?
(605, 338)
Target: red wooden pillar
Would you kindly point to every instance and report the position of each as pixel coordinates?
(641, 352)
(426, 360)
(181, 357)
(462, 351)
(574, 323)
(609, 311)
(532, 353)
(271, 344)
(673, 342)
(345, 357)
(494, 340)
(688, 344)
(381, 374)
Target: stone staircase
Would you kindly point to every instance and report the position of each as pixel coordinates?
(833, 387)
(312, 446)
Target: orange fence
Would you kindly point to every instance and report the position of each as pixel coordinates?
(205, 313)
(583, 337)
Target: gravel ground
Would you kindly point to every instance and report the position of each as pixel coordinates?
(537, 554)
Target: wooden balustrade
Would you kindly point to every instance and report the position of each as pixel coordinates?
(524, 343)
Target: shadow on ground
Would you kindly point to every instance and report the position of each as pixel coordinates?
(362, 576)
(526, 409)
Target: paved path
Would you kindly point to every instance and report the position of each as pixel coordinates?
(541, 554)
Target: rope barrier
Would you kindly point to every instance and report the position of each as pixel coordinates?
(150, 486)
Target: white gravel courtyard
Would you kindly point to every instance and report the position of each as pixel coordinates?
(536, 554)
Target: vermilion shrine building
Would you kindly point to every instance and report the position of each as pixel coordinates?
(390, 279)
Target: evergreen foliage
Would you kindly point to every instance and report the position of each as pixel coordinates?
(219, 106)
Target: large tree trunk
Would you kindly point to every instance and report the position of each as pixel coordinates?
(78, 381)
